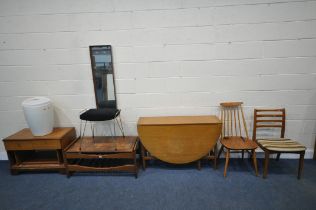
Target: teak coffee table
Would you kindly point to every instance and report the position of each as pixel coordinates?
(27, 152)
(102, 154)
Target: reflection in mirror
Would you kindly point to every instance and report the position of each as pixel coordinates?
(103, 76)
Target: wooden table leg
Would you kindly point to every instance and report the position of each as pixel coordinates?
(11, 157)
(198, 164)
(143, 156)
(65, 164)
(215, 157)
(61, 161)
(220, 151)
(136, 164)
(17, 159)
(215, 163)
(59, 156)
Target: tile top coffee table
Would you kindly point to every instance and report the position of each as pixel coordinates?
(102, 154)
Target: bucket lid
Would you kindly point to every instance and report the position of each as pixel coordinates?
(36, 101)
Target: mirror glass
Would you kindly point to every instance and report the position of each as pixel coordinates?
(103, 76)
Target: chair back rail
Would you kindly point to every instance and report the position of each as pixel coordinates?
(269, 118)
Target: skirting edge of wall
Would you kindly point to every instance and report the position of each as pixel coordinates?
(308, 155)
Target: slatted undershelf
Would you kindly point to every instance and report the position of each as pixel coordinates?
(37, 160)
(102, 154)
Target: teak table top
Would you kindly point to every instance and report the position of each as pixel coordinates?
(179, 139)
(179, 120)
(26, 135)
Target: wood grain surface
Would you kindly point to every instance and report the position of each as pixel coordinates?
(179, 139)
(104, 144)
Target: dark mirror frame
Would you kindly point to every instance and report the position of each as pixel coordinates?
(93, 67)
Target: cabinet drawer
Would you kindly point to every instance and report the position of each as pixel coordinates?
(32, 145)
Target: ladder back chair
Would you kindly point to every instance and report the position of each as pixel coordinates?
(275, 118)
(232, 139)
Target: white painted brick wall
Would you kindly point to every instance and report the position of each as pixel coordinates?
(171, 57)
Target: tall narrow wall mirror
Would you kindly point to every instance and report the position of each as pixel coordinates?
(104, 89)
(103, 76)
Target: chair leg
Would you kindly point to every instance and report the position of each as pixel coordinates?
(92, 130)
(80, 129)
(266, 163)
(278, 156)
(254, 158)
(84, 128)
(81, 137)
(301, 165)
(242, 154)
(120, 125)
(220, 151)
(227, 161)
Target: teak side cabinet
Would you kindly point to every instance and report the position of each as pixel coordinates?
(27, 152)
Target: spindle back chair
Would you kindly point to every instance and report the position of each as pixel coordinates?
(233, 131)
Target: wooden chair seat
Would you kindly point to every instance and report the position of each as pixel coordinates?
(238, 143)
(281, 145)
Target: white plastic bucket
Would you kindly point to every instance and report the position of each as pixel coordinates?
(38, 112)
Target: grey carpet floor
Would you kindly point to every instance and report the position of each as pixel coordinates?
(164, 186)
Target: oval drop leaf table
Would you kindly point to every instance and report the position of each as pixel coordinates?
(179, 139)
